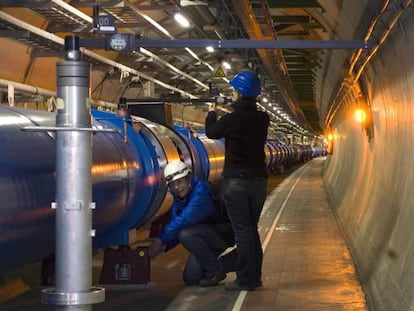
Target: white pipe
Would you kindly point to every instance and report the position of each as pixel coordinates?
(34, 90)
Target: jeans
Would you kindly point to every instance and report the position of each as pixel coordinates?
(244, 198)
(193, 272)
(205, 245)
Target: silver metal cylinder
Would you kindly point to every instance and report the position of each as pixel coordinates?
(73, 190)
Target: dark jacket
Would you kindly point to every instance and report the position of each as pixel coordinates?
(245, 133)
(196, 208)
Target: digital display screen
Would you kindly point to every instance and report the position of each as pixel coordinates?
(118, 42)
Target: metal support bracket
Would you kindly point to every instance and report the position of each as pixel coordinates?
(75, 129)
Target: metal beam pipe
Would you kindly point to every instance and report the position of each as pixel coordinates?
(238, 43)
(256, 44)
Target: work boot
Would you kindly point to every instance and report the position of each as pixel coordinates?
(213, 280)
(228, 260)
(234, 286)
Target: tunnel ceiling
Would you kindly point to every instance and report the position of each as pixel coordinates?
(288, 74)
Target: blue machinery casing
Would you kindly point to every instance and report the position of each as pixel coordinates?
(127, 179)
(128, 185)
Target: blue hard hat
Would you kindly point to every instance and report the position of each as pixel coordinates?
(247, 83)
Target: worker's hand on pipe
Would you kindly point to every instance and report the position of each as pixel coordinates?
(157, 247)
(212, 107)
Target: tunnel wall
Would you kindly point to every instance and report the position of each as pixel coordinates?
(370, 182)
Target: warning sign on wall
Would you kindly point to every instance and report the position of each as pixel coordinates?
(219, 72)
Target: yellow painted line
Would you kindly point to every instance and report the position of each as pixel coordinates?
(11, 289)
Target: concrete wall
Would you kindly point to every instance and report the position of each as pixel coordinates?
(371, 183)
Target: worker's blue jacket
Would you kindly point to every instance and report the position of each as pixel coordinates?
(193, 210)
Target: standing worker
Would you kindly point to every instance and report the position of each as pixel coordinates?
(244, 182)
(198, 225)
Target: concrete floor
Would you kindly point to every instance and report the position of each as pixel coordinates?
(307, 265)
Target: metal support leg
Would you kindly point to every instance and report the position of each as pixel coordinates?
(73, 187)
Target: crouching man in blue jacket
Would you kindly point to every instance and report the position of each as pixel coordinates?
(198, 224)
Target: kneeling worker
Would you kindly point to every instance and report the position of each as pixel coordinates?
(195, 225)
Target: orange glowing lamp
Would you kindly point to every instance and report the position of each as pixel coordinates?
(360, 115)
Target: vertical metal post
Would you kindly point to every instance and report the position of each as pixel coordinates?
(73, 187)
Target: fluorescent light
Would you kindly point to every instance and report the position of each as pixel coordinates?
(192, 2)
(182, 20)
(210, 49)
(226, 65)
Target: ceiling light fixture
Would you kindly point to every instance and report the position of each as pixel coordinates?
(182, 20)
(226, 65)
(192, 2)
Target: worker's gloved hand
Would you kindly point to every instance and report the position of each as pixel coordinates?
(157, 247)
(212, 107)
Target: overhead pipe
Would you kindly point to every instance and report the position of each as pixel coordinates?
(28, 89)
(242, 44)
(34, 90)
